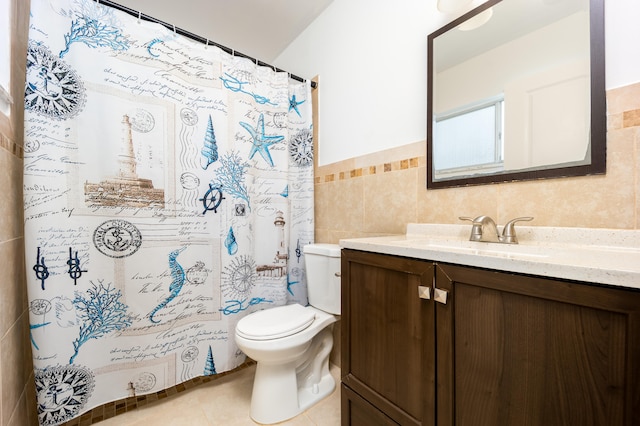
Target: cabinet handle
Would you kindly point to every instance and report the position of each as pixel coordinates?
(440, 295)
(337, 274)
(424, 292)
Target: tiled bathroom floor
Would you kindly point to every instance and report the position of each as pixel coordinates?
(224, 401)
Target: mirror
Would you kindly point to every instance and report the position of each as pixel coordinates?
(516, 91)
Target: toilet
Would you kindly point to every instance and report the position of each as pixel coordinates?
(291, 344)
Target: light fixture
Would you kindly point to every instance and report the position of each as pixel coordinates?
(477, 21)
(450, 6)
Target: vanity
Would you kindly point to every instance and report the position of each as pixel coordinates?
(440, 330)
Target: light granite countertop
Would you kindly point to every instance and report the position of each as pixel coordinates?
(601, 256)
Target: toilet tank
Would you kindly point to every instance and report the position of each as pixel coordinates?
(322, 262)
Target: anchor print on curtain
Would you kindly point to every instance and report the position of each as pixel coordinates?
(168, 191)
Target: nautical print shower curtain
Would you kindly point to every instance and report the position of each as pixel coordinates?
(168, 191)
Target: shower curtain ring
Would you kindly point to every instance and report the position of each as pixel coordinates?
(174, 29)
(139, 16)
(206, 44)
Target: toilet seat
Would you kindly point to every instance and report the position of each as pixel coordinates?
(275, 323)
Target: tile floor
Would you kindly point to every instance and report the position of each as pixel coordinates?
(224, 401)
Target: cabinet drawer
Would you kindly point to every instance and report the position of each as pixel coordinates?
(356, 411)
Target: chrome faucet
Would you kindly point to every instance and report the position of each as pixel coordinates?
(485, 229)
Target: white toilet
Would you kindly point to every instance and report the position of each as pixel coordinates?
(291, 344)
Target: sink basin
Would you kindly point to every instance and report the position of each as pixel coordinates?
(511, 251)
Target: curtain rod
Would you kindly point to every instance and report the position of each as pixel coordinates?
(196, 37)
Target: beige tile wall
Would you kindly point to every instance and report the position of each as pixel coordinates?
(380, 193)
(17, 392)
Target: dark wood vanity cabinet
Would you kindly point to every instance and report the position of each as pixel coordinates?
(492, 349)
(388, 337)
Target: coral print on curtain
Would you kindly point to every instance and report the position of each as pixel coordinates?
(168, 193)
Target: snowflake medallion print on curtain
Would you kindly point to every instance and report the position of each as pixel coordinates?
(168, 192)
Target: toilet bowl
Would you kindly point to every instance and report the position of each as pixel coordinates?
(291, 344)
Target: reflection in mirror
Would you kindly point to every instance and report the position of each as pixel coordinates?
(516, 91)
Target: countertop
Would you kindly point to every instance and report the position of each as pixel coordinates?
(593, 255)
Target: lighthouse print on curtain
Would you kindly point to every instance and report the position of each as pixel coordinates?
(168, 191)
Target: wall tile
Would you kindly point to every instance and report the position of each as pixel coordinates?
(394, 188)
(447, 205)
(572, 202)
(623, 99)
(340, 205)
(614, 121)
(12, 275)
(390, 201)
(21, 415)
(11, 222)
(12, 363)
(401, 153)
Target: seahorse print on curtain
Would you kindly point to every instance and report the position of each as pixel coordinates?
(168, 191)
(177, 281)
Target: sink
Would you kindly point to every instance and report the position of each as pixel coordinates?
(603, 256)
(510, 251)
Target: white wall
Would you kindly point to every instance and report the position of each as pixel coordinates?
(456, 89)
(371, 58)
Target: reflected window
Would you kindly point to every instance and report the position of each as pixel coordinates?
(472, 139)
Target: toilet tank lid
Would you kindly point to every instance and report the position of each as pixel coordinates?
(331, 250)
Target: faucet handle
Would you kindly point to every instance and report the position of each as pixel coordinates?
(476, 229)
(509, 230)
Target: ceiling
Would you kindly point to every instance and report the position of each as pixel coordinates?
(261, 29)
(510, 20)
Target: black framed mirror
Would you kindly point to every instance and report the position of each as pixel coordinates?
(516, 91)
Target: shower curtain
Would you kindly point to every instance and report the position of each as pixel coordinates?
(168, 191)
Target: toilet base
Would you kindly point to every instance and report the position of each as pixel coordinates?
(309, 396)
(282, 391)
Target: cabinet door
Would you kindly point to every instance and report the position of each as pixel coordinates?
(388, 334)
(520, 350)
